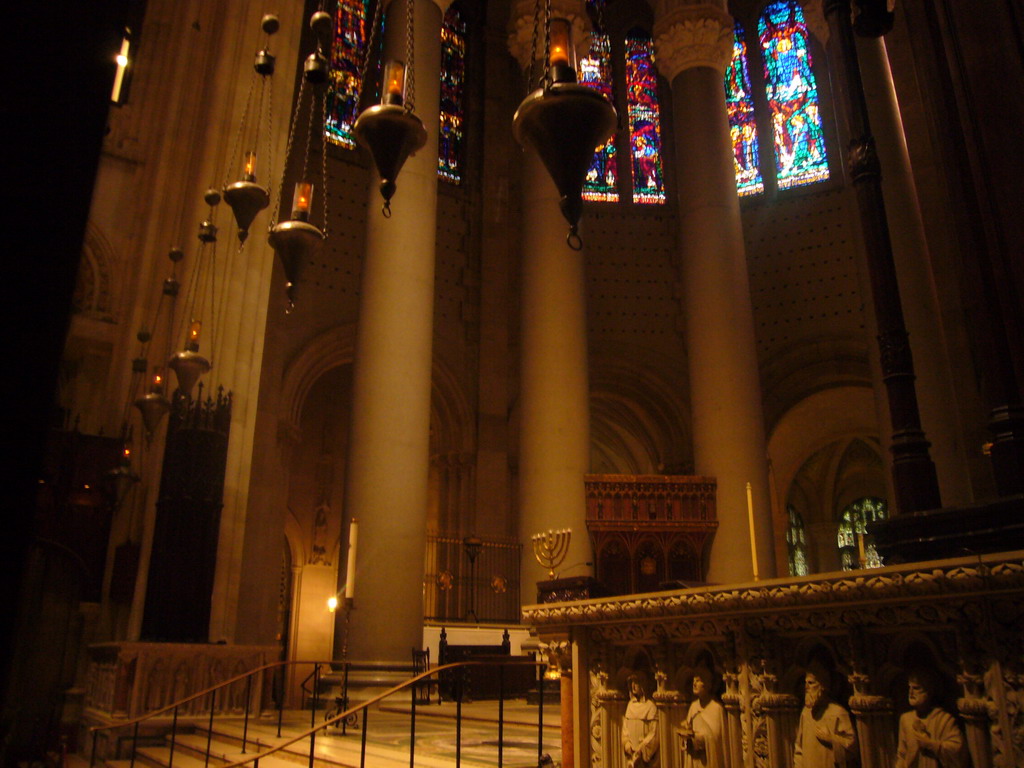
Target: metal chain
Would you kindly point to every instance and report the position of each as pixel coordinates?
(237, 145)
(309, 134)
(410, 57)
(368, 52)
(546, 74)
(323, 158)
(533, 48)
(291, 140)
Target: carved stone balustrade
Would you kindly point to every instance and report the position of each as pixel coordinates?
(958, 624)
(128, 679)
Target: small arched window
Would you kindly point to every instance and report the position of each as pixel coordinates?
(853, 538)
(796, 543)
(790, 92)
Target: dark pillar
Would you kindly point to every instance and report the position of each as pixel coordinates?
(914, 478)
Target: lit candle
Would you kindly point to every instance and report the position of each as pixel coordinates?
(753, 539)
(350, 571)
(302, 200)
(158, 380)
(250, 166)
(394, 82)
(332, 603)
(559, 36)
(193, 335)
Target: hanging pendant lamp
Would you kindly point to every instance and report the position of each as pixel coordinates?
(296, 240)
(245, 197)
(390, 131)
(153, 405)
(564, 122)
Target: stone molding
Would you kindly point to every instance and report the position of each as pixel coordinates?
(522, 21)
(693, 36)
(919, 591)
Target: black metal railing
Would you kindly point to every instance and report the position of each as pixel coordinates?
(457, 672)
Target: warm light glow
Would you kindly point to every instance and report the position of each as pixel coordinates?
(332, 603)
(394, 82)
(302, 200)
(193, 331)
(250, 165)
(158, 379)
(559, 36)
(122, 64)
(127, 452)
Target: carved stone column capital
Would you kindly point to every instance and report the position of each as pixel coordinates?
(692, 35)
(523, 23)
(814, 17)
(558, 654)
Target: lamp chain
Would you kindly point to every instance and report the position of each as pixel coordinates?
(410, 54)
(237, 143)
(291, 140)
(547, 45)
(323, 159)
(368, 52)
(533, 48)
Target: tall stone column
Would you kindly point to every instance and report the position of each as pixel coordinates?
(554, 438)
(694, 45)
(386, 484)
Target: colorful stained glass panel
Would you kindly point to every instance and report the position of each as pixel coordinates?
(742, 126)
(453, 82)
(350, 38)
(601, 182)
(644, 120)
(792, 95)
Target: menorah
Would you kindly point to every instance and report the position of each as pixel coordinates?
(550, 548)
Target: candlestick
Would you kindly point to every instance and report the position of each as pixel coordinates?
(350, 571)
(753, 539)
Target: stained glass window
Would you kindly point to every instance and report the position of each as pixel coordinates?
(601, 181)
(350, 38)
(453, 79)
(853, 534)
(644, 120)
(742, 127)
(796, 543)
(792, 95)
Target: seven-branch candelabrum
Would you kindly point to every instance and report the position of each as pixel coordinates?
(550, 548)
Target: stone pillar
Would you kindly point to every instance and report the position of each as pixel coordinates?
(694, 46)
(732, 701)
(386, 483)
(559, 655)
(874, 718)
(554, 437)
(913, 270)
(973, 708)
(782, 711)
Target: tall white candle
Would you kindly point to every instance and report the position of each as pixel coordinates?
(753, 540)
(350, 572)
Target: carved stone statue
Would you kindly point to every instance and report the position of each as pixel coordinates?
(825, 737)
(702, 733)
(929, 736)
(640, 728)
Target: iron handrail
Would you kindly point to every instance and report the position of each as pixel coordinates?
(310, 734)
(209, 691)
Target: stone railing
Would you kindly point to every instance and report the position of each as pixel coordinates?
(128, 679)
(956, 627)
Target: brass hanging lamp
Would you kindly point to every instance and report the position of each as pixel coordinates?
(245, 197)
(391, 131)
(564, 122)
(296, 240)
